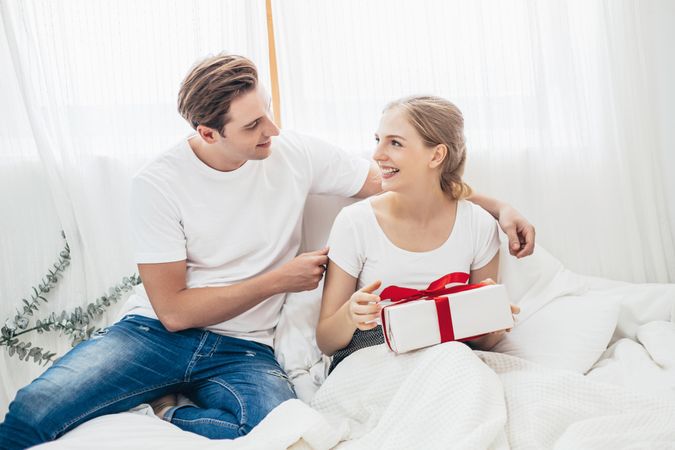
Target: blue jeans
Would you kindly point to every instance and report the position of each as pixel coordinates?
(233, 383)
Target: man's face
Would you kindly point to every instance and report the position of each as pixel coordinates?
(250, 129)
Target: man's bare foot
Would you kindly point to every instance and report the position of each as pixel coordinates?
(162, 404)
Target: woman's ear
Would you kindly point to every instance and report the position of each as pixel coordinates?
(440, 152)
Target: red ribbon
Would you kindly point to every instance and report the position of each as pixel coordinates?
(437, 292)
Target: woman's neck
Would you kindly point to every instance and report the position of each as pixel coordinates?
(423, 206)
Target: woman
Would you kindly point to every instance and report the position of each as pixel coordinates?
(418, 230)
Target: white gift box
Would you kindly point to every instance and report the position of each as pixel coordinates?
(415, 324)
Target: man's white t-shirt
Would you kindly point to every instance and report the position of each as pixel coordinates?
(232, 226)
(359, 246)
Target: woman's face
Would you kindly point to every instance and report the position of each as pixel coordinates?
(403, 157)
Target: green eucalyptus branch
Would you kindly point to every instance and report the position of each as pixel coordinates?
(77, 324)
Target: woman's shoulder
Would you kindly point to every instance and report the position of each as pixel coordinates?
(474, 213)
(358, 217)
(357, 210)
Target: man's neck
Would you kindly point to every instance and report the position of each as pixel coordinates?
(212, 156)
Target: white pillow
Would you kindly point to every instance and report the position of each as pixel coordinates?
(570, 332)
(295, 342)
(526, 275)
(317, 220)
(295, 336)
(536, 280)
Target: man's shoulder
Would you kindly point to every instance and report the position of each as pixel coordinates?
(290, 150)
(292, 141)
(302, 142)
(166, 163)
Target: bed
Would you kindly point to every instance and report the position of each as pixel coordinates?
(590, 364)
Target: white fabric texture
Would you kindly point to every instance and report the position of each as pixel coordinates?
(563, 323)
(640, 356)
(140, 428)
(359, 246)
(441, 397)
(413, 401)
(232, 226)
(295, 342)
(568, 107)
(646, 364)
(569, 333)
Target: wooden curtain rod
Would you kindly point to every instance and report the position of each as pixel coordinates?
(274, 73)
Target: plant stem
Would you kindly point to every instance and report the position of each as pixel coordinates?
(5, 340)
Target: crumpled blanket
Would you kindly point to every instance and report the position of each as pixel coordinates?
(447, 396)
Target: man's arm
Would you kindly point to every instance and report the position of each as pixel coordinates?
(373, 183)
(519, 231)
(180, 308)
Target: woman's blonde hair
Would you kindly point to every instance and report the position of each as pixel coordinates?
(439, 121)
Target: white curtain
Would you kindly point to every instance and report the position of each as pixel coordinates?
(88, 95)
(561, 102)
(567, 108)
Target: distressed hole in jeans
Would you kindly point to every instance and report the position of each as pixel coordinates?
(100, 333)
(250, 353)
(143, 328)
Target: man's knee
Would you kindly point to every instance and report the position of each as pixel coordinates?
(272, 394)
(30, 419)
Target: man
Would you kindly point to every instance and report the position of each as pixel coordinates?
(216, 224)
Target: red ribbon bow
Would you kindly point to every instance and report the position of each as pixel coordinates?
(437, 291)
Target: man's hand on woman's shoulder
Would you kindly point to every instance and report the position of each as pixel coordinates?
(519, 231)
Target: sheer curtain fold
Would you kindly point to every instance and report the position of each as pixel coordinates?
(558, 99)
(93, 92)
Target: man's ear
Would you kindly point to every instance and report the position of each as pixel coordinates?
(208, 134)
(440, 152)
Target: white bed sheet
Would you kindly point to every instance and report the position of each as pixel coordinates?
(627, 399)
(444, 396)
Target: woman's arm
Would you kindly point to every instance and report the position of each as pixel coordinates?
(488, 273)
(343, 310)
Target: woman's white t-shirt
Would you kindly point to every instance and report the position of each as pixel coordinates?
(359, 246)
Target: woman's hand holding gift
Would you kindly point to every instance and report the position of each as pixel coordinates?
(486, 342)
(364, 307)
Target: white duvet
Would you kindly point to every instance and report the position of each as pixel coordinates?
(442, 397)
(449, 397)
(599, 372)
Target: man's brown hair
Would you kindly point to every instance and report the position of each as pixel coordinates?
(207, 92)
